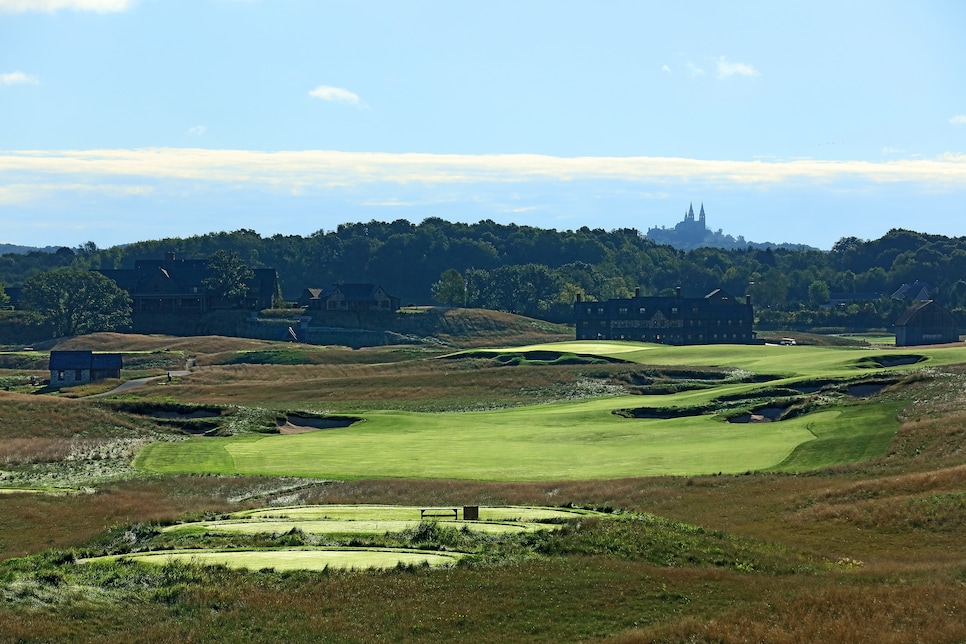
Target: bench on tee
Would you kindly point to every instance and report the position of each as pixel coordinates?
(439, 513)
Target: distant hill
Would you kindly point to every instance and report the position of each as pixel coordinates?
(23, 250)
(691, 233)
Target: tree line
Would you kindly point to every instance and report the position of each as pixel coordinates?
(539, 272)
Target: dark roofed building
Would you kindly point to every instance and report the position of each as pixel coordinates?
(77, 367)
(926, 323)
(918, 291)
(172, 285)
(367, 298)
(716, 318)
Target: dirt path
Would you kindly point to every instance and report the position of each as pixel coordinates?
(140, 382)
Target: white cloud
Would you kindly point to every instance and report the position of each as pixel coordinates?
(18, 78)
(197, 130)
(694, 70)
(665, 69)
(727, 68)
(50, 6)
(335, 94)
(21, 193)
(959, 119)
(315, 170)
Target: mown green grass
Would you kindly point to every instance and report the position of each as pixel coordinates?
(341, 528)
(565, 441)
(578, 440)
(378, 519)
(847, 435)
(296, 559)
(405, 513)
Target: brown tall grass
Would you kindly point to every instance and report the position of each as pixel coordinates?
(23, 416)
(883, 613)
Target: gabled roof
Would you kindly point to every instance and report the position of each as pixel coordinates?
(106, 361)
(719, 294)
(909, 317)
(311, 293)
(915, 291)
(351, 292)
(61, 360)
(64, 360)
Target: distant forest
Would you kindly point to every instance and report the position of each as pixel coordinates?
(539, 273)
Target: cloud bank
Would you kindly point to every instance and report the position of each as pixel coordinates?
(50, 6)
(313, 170)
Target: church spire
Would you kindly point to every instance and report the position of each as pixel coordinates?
(690, 215)
(701, 215)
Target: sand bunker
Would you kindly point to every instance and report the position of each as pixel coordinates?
(178, 415)
(301, 424)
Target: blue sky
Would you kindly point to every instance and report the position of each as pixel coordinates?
(123, 120)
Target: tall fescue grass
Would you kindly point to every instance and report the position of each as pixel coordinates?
(55, 417)
(421, 385)
(883, 613)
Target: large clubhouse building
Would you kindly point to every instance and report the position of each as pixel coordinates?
(716, 318)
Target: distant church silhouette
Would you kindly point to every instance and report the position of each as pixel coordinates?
(691, 229)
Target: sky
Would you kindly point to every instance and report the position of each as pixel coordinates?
(801, 122)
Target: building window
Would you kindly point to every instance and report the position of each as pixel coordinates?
(674, 310)
(643, 310)
(622, 310)
(600, 310)
(60, 375)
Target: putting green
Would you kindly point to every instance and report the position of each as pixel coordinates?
(403, 513)
(378, 519)
(328, 527)
(295, 559)
(580, 440)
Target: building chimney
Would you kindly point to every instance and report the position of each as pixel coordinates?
(578, 298)
(748, 300)
(677, 291)
(637, 291)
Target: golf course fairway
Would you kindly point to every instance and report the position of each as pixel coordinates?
(584, 440)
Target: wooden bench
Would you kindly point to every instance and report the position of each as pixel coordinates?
(439, 512)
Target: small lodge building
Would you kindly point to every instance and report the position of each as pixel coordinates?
(716, 318)
(172, 285)
(917, 291)
(69, 368)
(926, 322)
(352, 298)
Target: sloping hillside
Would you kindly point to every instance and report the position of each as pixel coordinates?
(459, 328)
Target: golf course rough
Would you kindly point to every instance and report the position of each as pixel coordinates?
(575, 440)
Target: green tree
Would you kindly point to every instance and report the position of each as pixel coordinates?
(818, 293)
(75, 302)
(229, 275)
(4, 298)
(450, 290)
